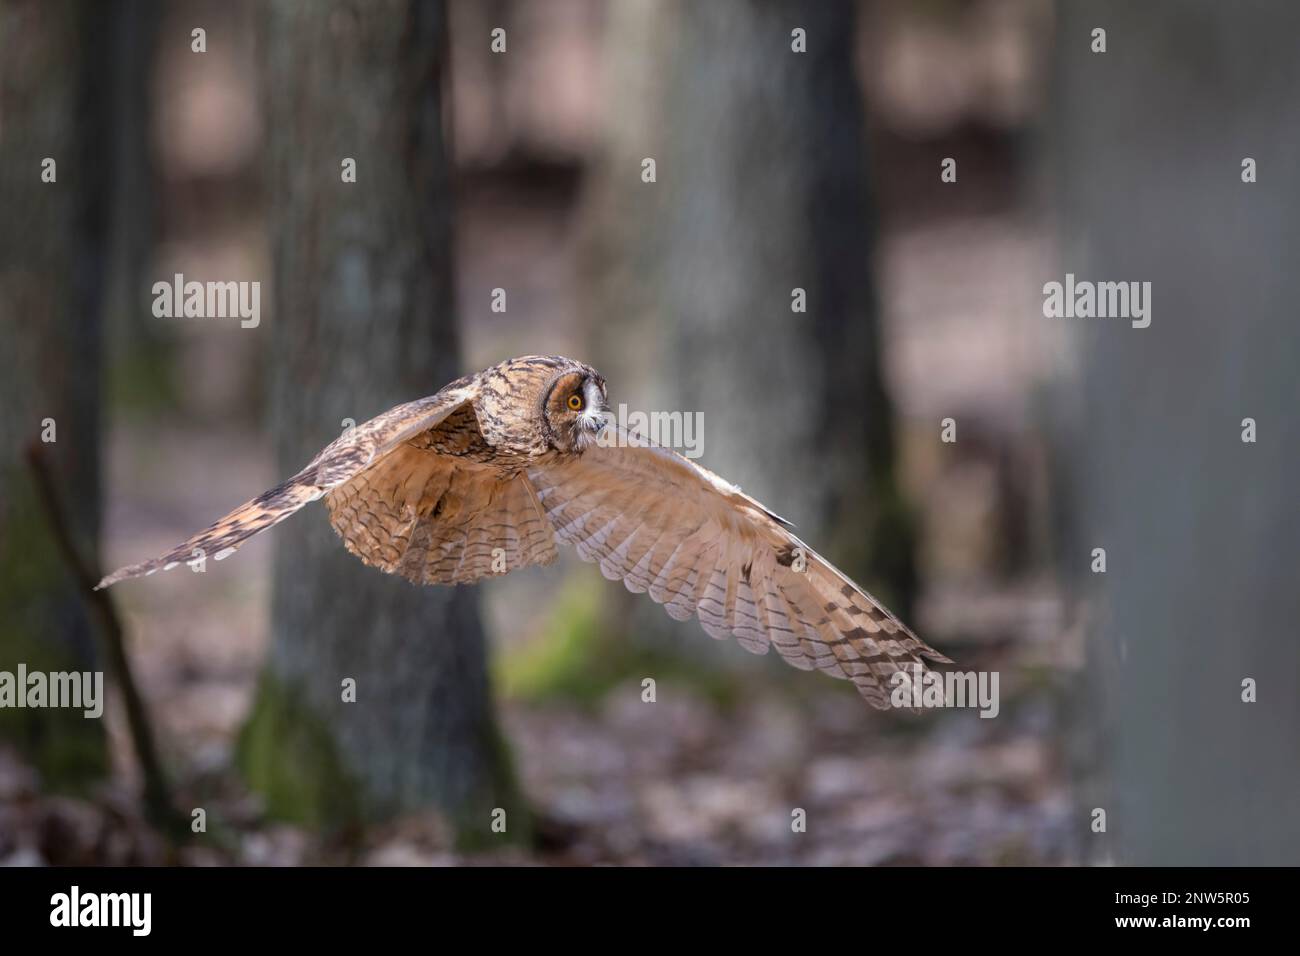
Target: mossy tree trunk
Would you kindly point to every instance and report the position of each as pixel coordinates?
(363, 320)
(54, 101)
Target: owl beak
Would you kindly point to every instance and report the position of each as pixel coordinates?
(595, 418)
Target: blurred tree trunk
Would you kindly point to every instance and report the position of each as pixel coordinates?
(761, 189)
(137, 344)
(53, 235)
(1201, 530)
(362, 321)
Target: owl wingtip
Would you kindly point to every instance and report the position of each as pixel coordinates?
(107, 580)
(120, 574)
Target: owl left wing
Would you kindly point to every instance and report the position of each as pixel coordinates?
(351, 453)
(666, 526)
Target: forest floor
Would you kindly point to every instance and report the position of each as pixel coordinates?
(616, 780)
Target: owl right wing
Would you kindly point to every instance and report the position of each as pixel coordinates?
(700, 547)
(350, 454)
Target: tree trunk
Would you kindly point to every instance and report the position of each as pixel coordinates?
(1201, 529)
(362, 321)
(53, 65)
(137, 345)
(760, 191)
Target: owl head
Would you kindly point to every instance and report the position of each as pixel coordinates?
(574, 408)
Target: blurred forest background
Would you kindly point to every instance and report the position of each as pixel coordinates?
(521, 171)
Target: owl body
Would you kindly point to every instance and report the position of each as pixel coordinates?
(491, 472)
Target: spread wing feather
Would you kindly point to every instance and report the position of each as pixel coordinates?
(349, 455)
(699, 546)
(439, 520)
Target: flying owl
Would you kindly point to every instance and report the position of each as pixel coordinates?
(488, 473)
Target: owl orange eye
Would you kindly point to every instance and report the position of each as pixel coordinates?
(575, 402)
